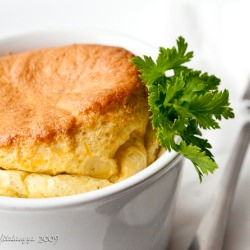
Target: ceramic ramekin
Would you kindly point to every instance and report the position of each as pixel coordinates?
(131, 215)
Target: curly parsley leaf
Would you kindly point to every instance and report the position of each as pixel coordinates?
(183, 103)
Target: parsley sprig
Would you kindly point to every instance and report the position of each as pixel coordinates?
(183, 102)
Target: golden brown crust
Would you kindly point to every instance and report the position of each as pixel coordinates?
(51, 91)
(26, 118)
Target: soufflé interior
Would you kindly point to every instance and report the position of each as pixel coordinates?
(73, 119)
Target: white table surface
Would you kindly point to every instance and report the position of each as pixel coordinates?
(218, 32)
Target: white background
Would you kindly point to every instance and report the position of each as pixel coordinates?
(219, 33)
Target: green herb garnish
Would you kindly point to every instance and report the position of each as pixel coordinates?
(183, 101)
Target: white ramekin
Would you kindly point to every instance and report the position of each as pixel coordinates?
(133, 214)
